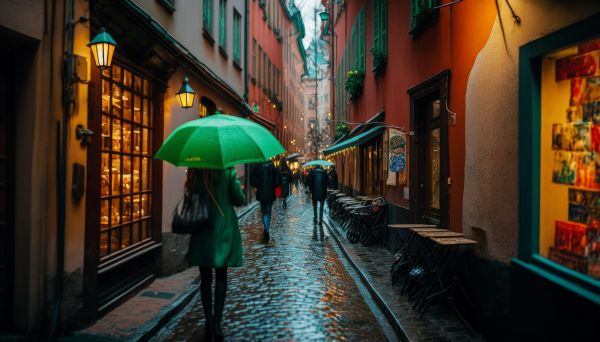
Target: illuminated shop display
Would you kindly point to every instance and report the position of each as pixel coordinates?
(570, 158)
(126, 163)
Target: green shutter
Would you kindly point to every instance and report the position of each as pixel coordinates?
(259, 67)
(254, 57)
(222, 26)
(237, 33)
(376, 23)
(361, 40)
(383, 26)
(207, 15)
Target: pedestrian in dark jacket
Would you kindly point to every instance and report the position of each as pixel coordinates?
(332, 178)
(265, 177)
(317, 182)
(218, 246)
(286, 180)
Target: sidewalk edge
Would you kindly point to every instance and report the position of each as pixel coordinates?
(389, 314)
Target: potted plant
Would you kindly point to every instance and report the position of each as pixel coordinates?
(355, 82)
(379, 60)
(340, 130)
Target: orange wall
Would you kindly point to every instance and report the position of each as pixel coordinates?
(453, 42)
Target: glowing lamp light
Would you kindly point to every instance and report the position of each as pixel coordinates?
(103, 48)
(324, 16)
(186, 94)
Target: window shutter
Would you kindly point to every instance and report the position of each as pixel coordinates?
(362, 35)
(383, 11)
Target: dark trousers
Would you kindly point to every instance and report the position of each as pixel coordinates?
(265, 209)
(314, 201)
(206, 276)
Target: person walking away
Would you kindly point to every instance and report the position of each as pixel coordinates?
(219, 245)
(286, 179)
(265, 177)
(332, 178)
(317, 182)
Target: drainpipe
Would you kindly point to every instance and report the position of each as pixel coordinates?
(62, 172)
(246, 25)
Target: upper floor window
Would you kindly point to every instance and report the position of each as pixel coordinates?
(422, 14)
(222, 23)
(237, 36)
(207, 15)
(379, 28)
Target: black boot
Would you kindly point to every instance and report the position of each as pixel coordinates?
(206, 297)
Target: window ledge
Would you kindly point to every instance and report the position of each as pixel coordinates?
(237, 65)
(168, 4)
(208, 36)
(223, 52)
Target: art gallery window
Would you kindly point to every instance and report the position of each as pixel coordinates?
(559, 158)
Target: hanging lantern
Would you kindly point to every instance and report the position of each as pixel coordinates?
(186, 94)
(103, 47)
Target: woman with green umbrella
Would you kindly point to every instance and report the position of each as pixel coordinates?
(210, 147)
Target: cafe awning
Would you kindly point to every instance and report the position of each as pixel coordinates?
(355, 141)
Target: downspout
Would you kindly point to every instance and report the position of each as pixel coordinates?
(246, 24)
(62, 171)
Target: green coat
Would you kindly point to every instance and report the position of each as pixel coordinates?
(221, 245)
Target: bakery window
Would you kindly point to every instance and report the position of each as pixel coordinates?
(126, 180)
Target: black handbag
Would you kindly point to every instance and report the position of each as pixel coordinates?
(194, 215)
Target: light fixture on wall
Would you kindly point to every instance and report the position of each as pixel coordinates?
(186, 94)
(103, 48)
(324, 16)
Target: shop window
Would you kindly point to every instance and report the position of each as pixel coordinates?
(125, 160)
(570, 157)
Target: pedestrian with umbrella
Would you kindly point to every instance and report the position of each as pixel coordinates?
(265, 178)
(210, 147)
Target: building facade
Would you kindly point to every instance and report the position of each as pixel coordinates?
(436, 93)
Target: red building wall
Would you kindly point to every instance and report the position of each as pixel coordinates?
(452, 42)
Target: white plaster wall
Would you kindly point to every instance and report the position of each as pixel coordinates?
(490, 202)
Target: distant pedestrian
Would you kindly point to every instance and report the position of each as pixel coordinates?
(286, 180)
(219, 245)
(265, 177)
(317, 182)
(332, 178)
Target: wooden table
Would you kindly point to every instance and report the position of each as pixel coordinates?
(410, 225)
(444, 234)
(453, 241)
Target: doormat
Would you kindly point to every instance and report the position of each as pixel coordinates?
(156, 294)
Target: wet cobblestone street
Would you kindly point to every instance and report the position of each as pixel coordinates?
(292, 288)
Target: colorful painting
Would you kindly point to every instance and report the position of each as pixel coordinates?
(564, 169)
(571, 236)
(581, 65)
(397, 161)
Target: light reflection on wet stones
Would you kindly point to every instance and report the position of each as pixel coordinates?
(293, 288)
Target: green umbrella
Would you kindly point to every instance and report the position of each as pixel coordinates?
(217, 142)
(318, 162)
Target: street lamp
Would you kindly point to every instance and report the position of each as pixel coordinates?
(103, 47)
(186, 94)
(324, 16)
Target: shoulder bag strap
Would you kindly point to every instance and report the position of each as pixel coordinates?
(213, 198)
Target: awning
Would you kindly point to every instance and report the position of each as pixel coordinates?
(356, 140)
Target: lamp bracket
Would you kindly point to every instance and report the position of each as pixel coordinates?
(84, 134)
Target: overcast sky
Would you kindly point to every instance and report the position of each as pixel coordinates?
(308, 15)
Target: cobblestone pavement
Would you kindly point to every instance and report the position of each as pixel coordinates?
(293, 288)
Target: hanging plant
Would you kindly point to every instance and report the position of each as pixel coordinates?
(379, 60)
(355, 82)
(340, 130)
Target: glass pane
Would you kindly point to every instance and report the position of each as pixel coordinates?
(127, 104)
(103, 244)
(127, 205)
(147, 180)
(145, 112)
(105, 175)
(145, 205)
(106, 72)
(147, 88)
(115, 240)
(104, 214)
(135, 232)
(115, 212)
(127, 78)
(137, 110)
(146, 137)
(117, 96)
(116, 73)
(434, 168)
(136, 174)
(116, 174)
(116, 135)
(138, 85)
(105, 96)
(125, 237)
(105, 132)
(435, 109)
(137, 207)
(126, 137)
(127, 171)
(137, 140)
